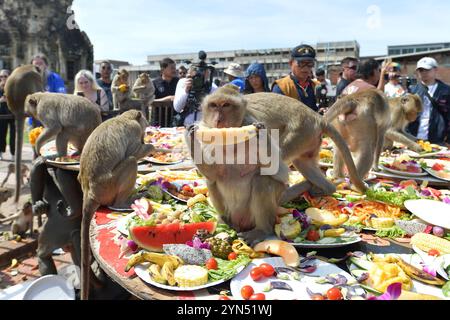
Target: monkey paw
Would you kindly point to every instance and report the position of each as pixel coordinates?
(253, 237)
(259, 125)
(40, 207)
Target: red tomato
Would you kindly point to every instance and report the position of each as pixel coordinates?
(317, 297)
(258, 296)
(434, 253)
(267, 270)
(256, 274)
(224, 298)
(313, 235)
(186, 188)
(438, 167)
(334, 294)
(247, 292)
(232, 256)
(211, 264)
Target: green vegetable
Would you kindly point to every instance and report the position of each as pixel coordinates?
(202, 213)
(447, 236)
(446, 289)
(394, 198)
(394, 232)
(221, 228)
(228, 269)
(155, 193)
(299, 205)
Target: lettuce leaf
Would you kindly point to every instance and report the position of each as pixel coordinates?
(228, 269)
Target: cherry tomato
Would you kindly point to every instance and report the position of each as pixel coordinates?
(267, 270)
(186, 188)
(258, 296)
(317, 297)
(256, 274)
(211, 264)
(247, 292)
(434, 253)
(224, 298)
(438, 167)
(334, 294)
(232, 256)
(313, 235)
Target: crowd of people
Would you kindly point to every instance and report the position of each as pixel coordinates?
(303, 83)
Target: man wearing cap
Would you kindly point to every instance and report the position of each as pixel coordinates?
(235, 75)
(298, 84)
(394, 89)
(433, 124)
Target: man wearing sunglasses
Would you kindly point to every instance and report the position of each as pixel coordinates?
(105, 80)
(298, 84)
(349, 67)
(433, 124)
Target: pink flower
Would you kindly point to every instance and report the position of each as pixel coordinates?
(140, 207)
(393, 292)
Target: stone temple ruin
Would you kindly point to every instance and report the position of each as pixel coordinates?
(28, 27)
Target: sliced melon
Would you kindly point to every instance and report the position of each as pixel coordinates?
(226, 136)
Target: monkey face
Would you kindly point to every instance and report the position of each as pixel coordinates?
(144, 78)
(412, 106)
(224, 114)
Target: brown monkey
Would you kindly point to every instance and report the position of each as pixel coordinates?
(108, 171)
(246, 198)
(24, 173)
(404, 110)
(362, 119)
(144, 89)
(24, 221)
(68, 117)
(120, 89)
(300, 132)
(23, 81)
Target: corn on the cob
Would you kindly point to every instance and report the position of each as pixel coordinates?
(191, 276)
(196, 199)
(426, 242)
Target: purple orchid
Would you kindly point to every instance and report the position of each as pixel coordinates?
(198, 244)
(302, 218)
(393, 292)
(446, 200)
(127, 246)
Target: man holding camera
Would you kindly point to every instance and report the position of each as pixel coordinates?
(189, 93)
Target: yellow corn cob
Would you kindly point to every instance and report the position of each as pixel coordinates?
(191, 276)
(426, 242)
(196, 199)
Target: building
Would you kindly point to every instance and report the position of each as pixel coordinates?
(416, 48)
(275, 60)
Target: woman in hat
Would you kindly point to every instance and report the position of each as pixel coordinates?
(235, 75)
(256, 79)
(393, 89)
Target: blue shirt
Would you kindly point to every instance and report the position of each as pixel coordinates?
(307, 96)
(240, 83)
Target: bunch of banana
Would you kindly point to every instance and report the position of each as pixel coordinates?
(324, 217)
(155, 258)
(410, 270)
(164, 274)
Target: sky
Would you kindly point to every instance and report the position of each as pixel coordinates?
(130, 30)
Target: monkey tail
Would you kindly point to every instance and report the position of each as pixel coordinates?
(20, 120)
(342, 147)
(342, 106)
(89, 208)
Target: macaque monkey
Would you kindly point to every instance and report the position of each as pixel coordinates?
(246, 199)
(300, 133)
(120, 89)
(23, 81)
(68, 117)
(404, 110)
(362, 119)
(24, 173)
(24, 221)
(108, 171)
(144, 89)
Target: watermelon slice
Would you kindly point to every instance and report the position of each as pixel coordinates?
(153, 238)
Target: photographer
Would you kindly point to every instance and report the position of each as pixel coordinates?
(323, 88)
(188, 96)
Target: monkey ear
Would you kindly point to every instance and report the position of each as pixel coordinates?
(404, 100)
(33, 102)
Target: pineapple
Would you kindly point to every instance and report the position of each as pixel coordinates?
(220, 248)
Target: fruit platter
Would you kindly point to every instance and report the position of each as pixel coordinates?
(403, 165)
(49, 151)
(438, 168)
(169, 139)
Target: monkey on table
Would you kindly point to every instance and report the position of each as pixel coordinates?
(23, 81)
(144, 90)
(246, 198)
(108, 171)
(362, 119)
(404, 110)
(300, 131)
(68, 117)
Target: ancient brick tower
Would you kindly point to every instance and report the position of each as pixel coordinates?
(28, 27)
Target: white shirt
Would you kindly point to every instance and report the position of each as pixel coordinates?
(424, 125)
(181, 99)
(394, 91)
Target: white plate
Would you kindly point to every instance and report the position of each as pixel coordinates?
(419, 287)
(434, 212)
(49, 149)
(299, 286)
(432, 172)
(141, 271)
(156, 161)
(403, 173)
(322, 245)
(121, 224)
(50, 287)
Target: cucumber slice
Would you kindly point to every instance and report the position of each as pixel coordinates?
(361, 263)
(371, 290)
(358, 272)
(328, 240)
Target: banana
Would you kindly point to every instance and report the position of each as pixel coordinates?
(419, 275)
(156, 258)
(334, 233)
(155, 272)
(167, 272)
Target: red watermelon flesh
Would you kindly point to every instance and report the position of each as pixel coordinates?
(153, 238)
